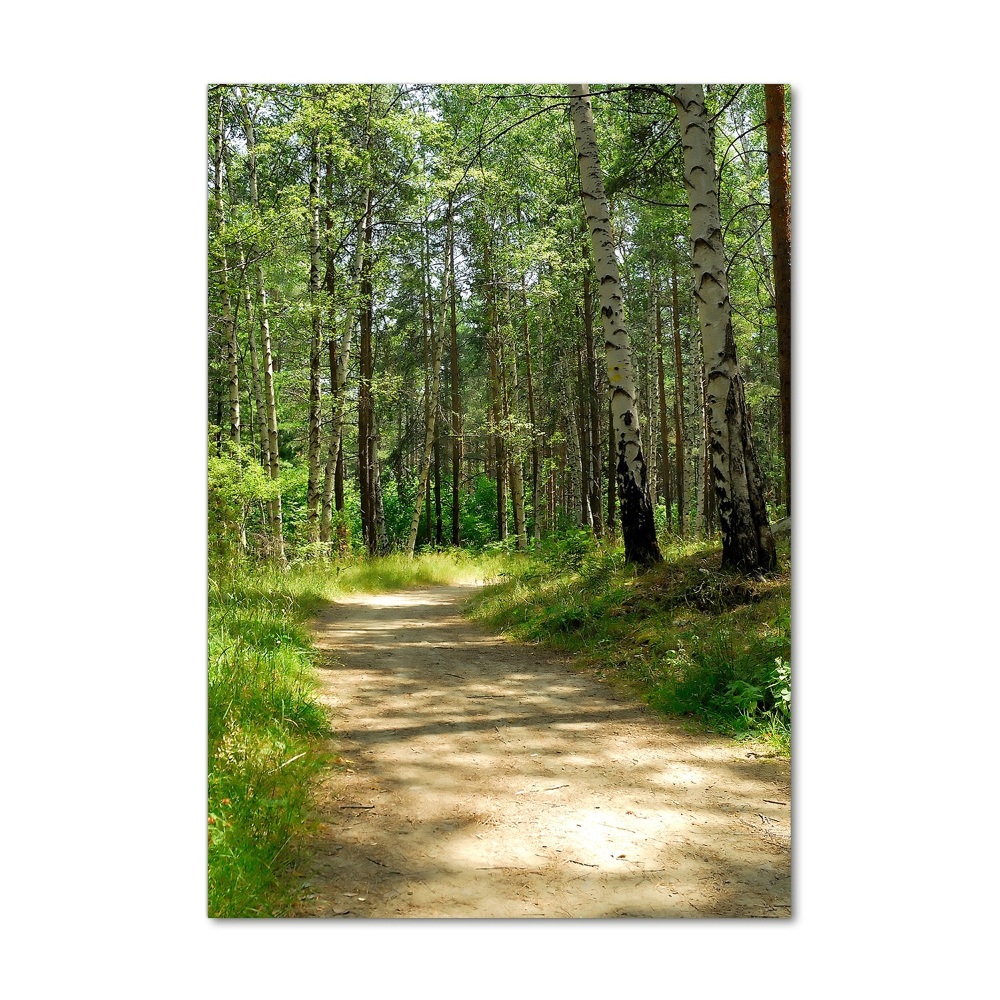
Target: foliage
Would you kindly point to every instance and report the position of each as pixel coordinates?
(267, 734)
(264, 727)
(688, 638)
(479, 513)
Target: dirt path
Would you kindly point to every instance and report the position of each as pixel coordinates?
(489, 779)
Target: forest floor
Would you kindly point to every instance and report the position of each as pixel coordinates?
(479, 777)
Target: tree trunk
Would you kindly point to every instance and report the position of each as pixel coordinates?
(664, 437)
(260, 295)
(573, 465)
(781, 245)
(747, 544)
(514, 448)
(592, 407)
(438, 526)
(381, 534)
(526, 336)
(499, 451)
(339, 362)
(437, 352)
(343, 539)
(456, 414)
(312, 489)
(228, 326)
(255, 374)
(366, 418)
(427, 335)
(638, 526)
(612, 480)
(678, 403)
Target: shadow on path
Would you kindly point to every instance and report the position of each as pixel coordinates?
(485, 778)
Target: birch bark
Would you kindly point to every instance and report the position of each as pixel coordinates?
(747, 544)
(638, 527)
(228, 326)
(312, 489)
(260, 295)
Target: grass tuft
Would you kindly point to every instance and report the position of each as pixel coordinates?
(266, 730)
(686, 637)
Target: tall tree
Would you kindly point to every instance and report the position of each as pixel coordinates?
(436, 352)
(638, 526)
(228, 326)
(456, 413)
(678, 401)
(260, 303)
(747, 543)
(316, 326)
(781, 245)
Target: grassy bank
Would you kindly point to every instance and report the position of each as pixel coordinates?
(266, 730)
(685, 637)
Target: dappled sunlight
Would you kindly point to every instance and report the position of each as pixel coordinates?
(396, 600)
(482, 778)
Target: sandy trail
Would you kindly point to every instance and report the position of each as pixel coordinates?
(490, 779)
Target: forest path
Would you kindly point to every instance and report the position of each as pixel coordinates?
(491, 779)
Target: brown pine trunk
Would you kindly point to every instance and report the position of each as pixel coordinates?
(366, 429)
(343, 538)
(526, 334)
(456, 415)
(427, 331)
(678, 403)
(664, 438)
(611, 470)
(781, 244)
(582, 407)
(438, 525)
(437, 352)
(496, 401)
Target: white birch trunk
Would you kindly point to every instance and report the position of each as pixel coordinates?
(265, 451)
(260, 295)
(312, 489)
(636, 511)
(228, 327)
(747, 543)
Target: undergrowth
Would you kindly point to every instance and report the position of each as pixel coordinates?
(266, 729)
(686, 637)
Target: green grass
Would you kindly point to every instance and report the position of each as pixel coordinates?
(689, 639)
(266, 729)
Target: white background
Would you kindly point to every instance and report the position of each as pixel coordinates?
(103, 243)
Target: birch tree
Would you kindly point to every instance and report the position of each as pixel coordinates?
(228, 326)
(636, 515)
(316, 326)
(260, 302)
(747, 544)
